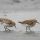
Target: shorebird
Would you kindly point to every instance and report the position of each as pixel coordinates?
(7, 23)
(29, 23)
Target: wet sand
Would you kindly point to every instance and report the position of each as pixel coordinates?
(12, 35)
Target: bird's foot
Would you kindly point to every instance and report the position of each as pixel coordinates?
(7, 30)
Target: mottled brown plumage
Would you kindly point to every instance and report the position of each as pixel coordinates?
(8, 22)
(30, 23)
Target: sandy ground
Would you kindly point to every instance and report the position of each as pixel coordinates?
(12, 35)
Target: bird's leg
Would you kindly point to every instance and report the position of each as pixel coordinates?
(26, 28)
(5, 28)
(15, 26)
(9, 30)
(29, 28)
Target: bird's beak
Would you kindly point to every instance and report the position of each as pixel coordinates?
(38, 22)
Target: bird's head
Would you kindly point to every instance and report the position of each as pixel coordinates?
(36, 21)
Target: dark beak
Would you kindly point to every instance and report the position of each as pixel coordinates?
(38, 22)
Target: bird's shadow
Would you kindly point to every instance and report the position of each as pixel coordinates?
(9, 31)
(32, 33)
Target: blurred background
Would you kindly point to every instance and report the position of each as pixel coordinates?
(20, 10)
